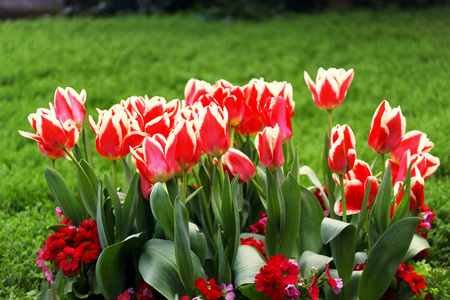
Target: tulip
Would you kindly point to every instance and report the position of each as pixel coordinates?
(194, 89)
(414, 141)
(232, 98)
(330, 88)
(270, 148)
(52, 134)
(213, 130)
(342, 155)
(275, 112)
(356, 182)
(69, 105)
(116, 131)
(387, 129)
(236, 162)
(151, 160)
(183, 145)
(417, 196)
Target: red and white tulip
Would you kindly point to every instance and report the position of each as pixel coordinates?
(269, 145)
(342, 154)
(236, 162)
(213, 130)
(417, 195)
(69, 105)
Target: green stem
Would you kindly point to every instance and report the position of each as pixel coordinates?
(383, 166)
(114, 163)
(344, 205)
(219, 160)
(258, 188)
(330, 122)
(184, 187)
(232, 130)
(53, 164)
(204, 200)
(76, 163)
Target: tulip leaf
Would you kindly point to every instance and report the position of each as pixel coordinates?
(104, 222)
(230, 216)
(128, 172)
(262, 181)
(295, 167)
(292, 199)
(402, 209)
(351, 289)
(198, 242)
(385, 257)
(224, 270)
(162, 209)
(382, 208)
(275, 213)
(247, 265)
(216, 200)
(145, 221)
(158, 267)
(342, 239)
(418, 244)
(193, 194)
(112, 193)
(172, 189)
(112, 265)
(71, 207)
(129, 208)
(310, 259)
(311, 216)
(87, 184)
(182, 246)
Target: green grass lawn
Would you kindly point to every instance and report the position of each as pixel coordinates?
(400, 56)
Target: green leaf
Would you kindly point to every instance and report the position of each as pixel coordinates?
(115, 201)
(247, 265)
(145, 220)
(104, 224)
(182, 246)
(224, 269)
(275, 214)
(193, 194)
(172, 189)
(325, 168)
(162, 209)
(216, 200)
(250, 292)
(382, 208)
(295, 167)
(329, 183)
(385, 257)
(158, 267)
(310, 259)
(311, 216)
(198, 242)
(71, 207)
(128, 173)
(87, 185)
(262, 180)
(418, 244)
(342, 238)
(230, 216)
(129, 209)
(402, 210)
(292, 198)
(112, 265)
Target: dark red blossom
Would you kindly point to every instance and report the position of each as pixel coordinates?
(313, 290)
(210, 289)
(288, 272)
(260, 226)
(416, 282)
(269, 283)
(88, 252)
(258, 244)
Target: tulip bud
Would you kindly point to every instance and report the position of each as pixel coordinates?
(342, 155)
(387, 129)
(236, 162)
(330, 88)
(69, 105)
(213, 130)
(270, 148)
(417, 196)
(274, 112)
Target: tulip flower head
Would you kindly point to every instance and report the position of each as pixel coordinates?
(342, 155)
(387, 129)
(69, 105)
(52, 134)
(330, 88)
(275, 112)
(213, 130)
(269, 145)
(235, 162)
(116, 131)
(417, 195)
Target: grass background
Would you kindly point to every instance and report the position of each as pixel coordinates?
(400, 56)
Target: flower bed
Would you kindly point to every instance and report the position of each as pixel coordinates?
(212, 207)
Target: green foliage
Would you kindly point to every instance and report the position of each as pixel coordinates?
(118, 57)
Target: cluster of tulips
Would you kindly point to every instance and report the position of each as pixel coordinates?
(235, 143)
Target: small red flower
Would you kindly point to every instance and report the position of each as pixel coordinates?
(258, 244)
(260, 226)
(68, 260)
(125, 296)
(269, 283)
(416, 282)
(288, 272)
(88, 252)
(313, 290)
(209, 289)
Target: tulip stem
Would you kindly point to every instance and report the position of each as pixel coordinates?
(114, 165)
(76, 163)
(232, 131)
(258, 188)
(383, 166)
(184, 186)
(205, 200)
(219, 161)
(344, 204)
(330, 121)
(53, 164)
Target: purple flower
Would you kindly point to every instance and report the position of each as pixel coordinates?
(291, 292)
(339, 285)
(228, 291)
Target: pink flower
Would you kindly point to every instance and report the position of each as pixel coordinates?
(125, 296)
(51, 133)
(69, 105)
(356, 182)
(116, 131)
(330, 88)
(387, 128)
(336, 284)
(213, 130)
(342, 155)
(270, 148)
(291, 292)
(236, 162)
(48, 274)
(59, 213)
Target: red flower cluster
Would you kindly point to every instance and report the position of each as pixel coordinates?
(145, 292)
(70, 246)
(273, 277)
(209, 289)
(406, 273)
(258, 244)
(260, 226)
(319, 197)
